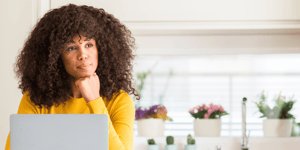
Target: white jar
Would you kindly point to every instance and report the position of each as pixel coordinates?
(277, 127)
(207, 127)
(151, 127)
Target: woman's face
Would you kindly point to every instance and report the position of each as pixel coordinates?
(80, 58)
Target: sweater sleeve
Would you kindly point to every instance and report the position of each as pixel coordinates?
(121, 120)
(25, 107)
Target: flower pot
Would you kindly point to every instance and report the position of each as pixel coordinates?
(152, 147)
(190, 147)
(151, 127)
(170, 147)
(207, 127)
(277, 127)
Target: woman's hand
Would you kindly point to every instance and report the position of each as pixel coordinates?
(89, 87)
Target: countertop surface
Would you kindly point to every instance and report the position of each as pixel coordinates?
(226, 143)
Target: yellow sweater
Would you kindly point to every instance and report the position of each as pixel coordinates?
(120, 110)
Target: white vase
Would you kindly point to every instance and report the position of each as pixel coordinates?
(207, 127)
(170, 147)
(277, 127)
(152, 147)
(190, 147)
(151, 127)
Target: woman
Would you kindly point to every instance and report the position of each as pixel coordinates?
(77, 60)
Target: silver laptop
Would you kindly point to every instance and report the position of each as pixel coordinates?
(59, 132)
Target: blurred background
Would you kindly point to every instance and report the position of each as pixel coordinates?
(193, 52)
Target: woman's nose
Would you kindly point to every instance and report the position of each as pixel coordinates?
(82, 53)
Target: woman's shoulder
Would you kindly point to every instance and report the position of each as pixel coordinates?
(26, 98)
(122, 104)
(122, 98)
(27, 106)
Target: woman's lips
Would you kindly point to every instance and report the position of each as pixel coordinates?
(84, 66)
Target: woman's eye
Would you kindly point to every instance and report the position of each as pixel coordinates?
(89, 45)
(71, 48)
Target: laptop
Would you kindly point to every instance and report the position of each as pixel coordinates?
(59, 132)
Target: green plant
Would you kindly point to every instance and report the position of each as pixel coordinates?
(141, 77)
(151, 142)
(280, 110)
(190, 140)
(170, 140)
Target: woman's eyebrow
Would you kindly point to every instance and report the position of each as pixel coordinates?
(87, 39)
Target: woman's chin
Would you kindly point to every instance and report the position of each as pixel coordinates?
(84, 74)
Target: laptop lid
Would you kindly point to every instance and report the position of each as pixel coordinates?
(58, 131)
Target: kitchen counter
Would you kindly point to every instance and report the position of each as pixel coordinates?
(232, 143)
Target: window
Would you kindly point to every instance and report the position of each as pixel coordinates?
(218, 79)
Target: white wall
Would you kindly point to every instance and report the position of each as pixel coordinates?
(15, 24)
(194, 10)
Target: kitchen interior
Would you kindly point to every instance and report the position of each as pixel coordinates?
(238, 59)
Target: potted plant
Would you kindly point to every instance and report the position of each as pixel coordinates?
(279, 120)
(151, 145)
(190, 143)
(207, 120)
(170, 143)
(151, 122)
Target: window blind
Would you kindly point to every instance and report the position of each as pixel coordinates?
(218, 79)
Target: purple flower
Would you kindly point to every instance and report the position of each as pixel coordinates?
(153, 109)
(139, 113)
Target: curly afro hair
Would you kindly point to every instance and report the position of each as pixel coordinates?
(39, 66)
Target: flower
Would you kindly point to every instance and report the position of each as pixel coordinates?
(155, 111)
(162, 110)
(215, 107)
(139, 113)
(208, 112)
(206, 116)
(221, 109)
(153, 108)
(201, 109)
(192, 111)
